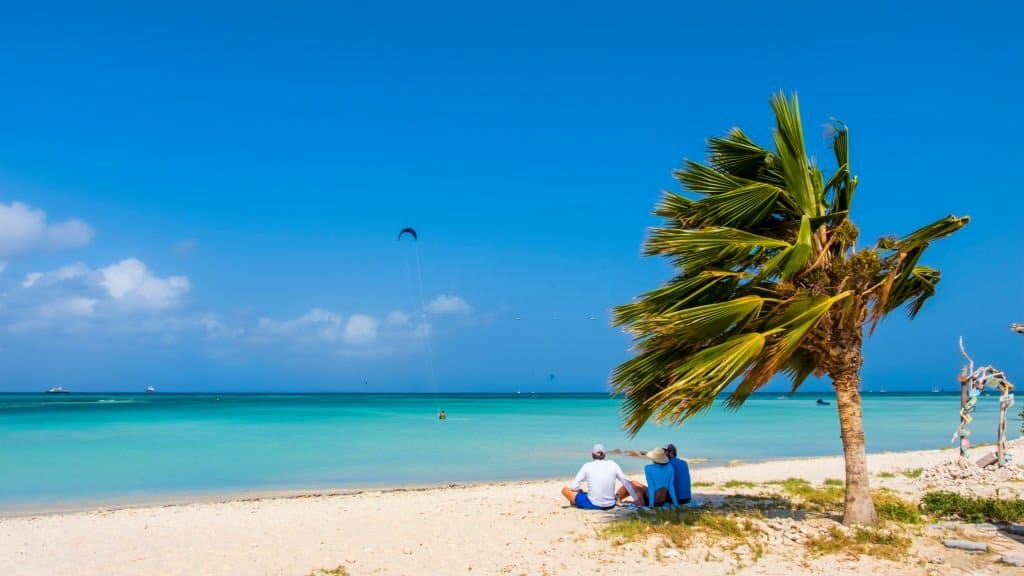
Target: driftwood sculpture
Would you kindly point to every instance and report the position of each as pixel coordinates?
(972, 383)
(1019, 329)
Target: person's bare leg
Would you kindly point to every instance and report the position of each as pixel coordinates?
(660, 496)
(641, 493)
(570, 495)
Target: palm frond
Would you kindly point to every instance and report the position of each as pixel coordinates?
(701, 323)
(678, 294)
(738, 155)
(696, 382)
(742, 207)
(941, 228)
(842, 182)
(913, 290)
(677, 209)
(787, 329)
(676, 242)
(789, 144)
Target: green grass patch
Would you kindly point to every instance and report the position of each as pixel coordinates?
(886, 475)
(678, 527)
(339, 571)
(828, 498)
(912, 473)
(861, 541)
(834, 482)
(738, 484)
(973, 509)
(895, 509)
(702, 484)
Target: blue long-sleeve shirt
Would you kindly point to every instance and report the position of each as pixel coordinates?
(659, 475)
(682, 478)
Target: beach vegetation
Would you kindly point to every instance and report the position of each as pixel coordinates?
(702, 484)
(912, 473)
(834, 482)
(338, 571)
(738, 484)
(679, 527)
(895, 509)
(886, 474)
(973, 508)
(771, 278)
(861, 541)
(825, 498)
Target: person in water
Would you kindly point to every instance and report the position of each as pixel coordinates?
(442, 415)
(600, 476)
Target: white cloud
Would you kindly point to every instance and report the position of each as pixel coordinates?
(361, 329)
(31, 279)
(217, 329)
(422, 330)
(317, 324)
(24, 229)
(396, 319)
(131, 283)
(75, 306)
(62, 274)
(445, 304)
(76, 297)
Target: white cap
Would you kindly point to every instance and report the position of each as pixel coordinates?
(597, 449)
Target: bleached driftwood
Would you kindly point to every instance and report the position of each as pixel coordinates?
(972, 378)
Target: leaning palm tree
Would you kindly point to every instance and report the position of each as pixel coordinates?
(769, 279)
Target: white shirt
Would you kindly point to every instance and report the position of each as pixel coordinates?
(600, 476)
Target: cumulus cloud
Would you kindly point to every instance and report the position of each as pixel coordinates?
(396, 319)
(360, 329)
(131, 283)
(75, 306)
(24, 229)
(317, 324)
(125, 296)
(447, 304)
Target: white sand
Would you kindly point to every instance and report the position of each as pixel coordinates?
(499, 528)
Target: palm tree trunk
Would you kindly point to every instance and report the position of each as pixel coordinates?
(858, 509)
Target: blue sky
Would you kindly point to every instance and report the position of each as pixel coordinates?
(207, 197)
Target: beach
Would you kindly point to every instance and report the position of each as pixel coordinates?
(521, 527)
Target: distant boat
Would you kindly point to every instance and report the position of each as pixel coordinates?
(150, 389)
(56, 390)
(935, 390)
(821, 402)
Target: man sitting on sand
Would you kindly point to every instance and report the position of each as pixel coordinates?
(682, 474)
(600, 476)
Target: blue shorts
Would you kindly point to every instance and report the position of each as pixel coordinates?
(583, 501)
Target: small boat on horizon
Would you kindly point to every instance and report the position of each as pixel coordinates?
(150, 389)
(56, 390)
(821, 402)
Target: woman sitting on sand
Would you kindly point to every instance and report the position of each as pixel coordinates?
(660, 476)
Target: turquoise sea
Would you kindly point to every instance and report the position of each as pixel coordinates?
(66, 450)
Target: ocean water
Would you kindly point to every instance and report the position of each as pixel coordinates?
(62, 450)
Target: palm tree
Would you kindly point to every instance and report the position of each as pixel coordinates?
(769, 279)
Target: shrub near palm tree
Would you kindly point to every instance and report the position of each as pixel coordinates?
(770, 279)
